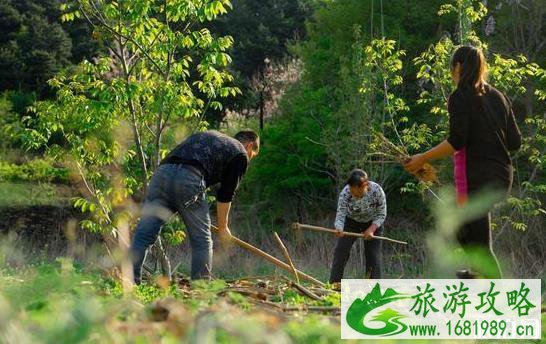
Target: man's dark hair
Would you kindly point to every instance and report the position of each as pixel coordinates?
(357, 177)
(248, 136)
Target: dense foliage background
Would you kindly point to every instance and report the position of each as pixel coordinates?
(95, 92)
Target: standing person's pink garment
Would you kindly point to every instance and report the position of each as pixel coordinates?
(459, 171)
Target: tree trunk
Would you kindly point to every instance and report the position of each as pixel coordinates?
(262, 106)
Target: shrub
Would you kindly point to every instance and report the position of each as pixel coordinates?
(38, 170)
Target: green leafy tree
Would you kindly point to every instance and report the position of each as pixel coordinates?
(510, 76)
(354, 87)
(114, 118)
(324, 123)
(516, 27)
(36, 44)
(262, 32)
(33, 46)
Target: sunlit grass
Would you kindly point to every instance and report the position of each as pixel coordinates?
(30, 194)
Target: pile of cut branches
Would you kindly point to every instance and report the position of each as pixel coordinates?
(276, 292)
(399, 154)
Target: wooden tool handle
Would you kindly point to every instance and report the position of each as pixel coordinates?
(256, 251)
(333, 231)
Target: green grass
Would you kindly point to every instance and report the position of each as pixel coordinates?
(30, 194)
(57, 303)
(61, 303)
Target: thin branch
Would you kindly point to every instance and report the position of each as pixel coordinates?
(315, 142)
(149, 129)
(287, 256)
(129, 39)
(93, 193)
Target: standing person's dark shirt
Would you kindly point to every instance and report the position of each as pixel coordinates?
(221, 159)
(483, 131)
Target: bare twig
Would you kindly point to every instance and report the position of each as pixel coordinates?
(427, 174)
(303, 290)
(286, 256)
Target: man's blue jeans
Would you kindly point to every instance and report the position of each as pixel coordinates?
(175, 189)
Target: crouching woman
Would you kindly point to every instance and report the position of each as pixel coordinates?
(362, 208)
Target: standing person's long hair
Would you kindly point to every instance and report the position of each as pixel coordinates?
(473, 69)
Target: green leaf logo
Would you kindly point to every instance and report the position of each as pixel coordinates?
(390, 318)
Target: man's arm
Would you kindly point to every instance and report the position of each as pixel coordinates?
(229, 183)
(222, 210)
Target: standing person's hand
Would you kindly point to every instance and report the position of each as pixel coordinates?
(369, 233)
(415, 163)
(339, 233)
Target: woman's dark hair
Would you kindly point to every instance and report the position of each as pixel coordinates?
(473, 68)
(357, 177)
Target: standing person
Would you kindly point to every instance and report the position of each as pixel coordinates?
(361, 207)
(178, 186)
(482, 131)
